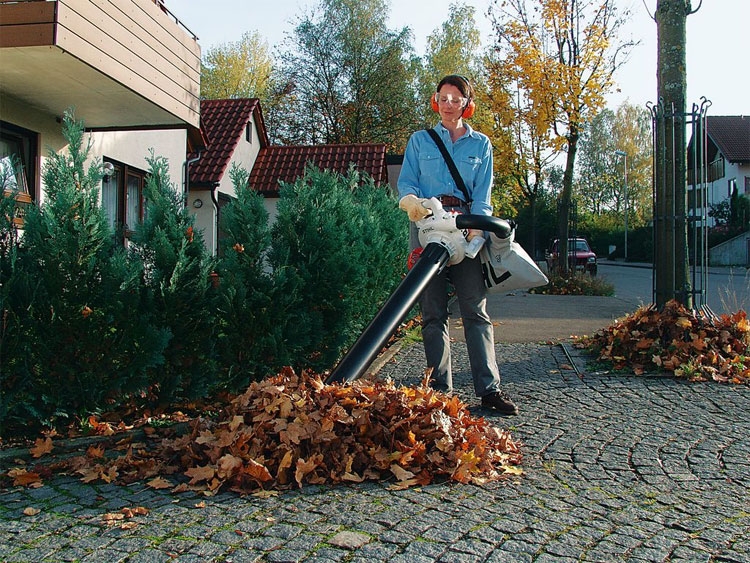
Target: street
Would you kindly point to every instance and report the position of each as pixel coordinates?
(727, 291)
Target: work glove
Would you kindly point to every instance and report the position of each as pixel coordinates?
(413, 207)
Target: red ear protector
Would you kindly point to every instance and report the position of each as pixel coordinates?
(468, 110)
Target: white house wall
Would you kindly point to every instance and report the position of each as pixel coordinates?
(49, 128)
(243, 156)
(134, 147)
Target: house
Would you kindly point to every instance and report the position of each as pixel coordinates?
(129, 70)
(726, 170)
(727, 158)
(236, 135)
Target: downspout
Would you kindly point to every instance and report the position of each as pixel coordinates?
(186, 168)
(215, 201)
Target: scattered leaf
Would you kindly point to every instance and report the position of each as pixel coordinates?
(41, 446)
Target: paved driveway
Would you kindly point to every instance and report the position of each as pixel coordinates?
(618, 468)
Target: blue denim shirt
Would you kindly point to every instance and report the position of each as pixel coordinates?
(424, 172)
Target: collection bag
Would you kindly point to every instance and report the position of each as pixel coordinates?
(506, 265)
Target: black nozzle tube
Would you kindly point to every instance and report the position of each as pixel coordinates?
(500, 227)
(352, 366)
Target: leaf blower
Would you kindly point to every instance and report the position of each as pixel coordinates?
(442, 235)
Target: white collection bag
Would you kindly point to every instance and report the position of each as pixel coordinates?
(506, 265)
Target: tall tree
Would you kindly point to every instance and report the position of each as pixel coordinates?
(600, 184)
(238, 69)
(563, 55)
(348, 77)
(455, 48)
(671, 229)
(525, 145)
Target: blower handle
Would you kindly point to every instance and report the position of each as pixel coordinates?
(500, 227)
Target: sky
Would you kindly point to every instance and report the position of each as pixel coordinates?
(717, 43)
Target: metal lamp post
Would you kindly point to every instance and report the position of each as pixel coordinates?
(624, 156)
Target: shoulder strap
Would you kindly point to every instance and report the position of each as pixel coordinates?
(451, 165)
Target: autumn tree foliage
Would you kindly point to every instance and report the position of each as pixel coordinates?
(559, 58)
(455, 48)
(238, 69)
(600, 181)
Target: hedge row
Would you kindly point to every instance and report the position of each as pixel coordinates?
(89, 325)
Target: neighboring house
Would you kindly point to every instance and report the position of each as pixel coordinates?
(235, 134)
(727, 152)
(277, 164)
(727, 158)
(129, 71)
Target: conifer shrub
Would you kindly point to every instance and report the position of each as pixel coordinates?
(178, 288)
(262, 323)
(76, 336)
(347, 240)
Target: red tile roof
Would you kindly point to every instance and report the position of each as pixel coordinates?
(731, 134)
(223, 123)
(285, 164)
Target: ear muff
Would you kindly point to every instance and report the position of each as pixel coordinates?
(468, 110)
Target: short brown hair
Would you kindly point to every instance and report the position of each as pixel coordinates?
(460, 82)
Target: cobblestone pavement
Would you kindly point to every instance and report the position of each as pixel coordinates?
(618, 468)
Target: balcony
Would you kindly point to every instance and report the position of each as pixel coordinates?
(119, 63)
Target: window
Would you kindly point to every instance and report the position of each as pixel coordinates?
(747, 185)
(122, 197)
(18, 154)
(249, 132)
(732, 186)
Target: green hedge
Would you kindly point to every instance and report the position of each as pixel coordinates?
(89, 326)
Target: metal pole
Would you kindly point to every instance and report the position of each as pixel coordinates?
(625, 195)
(625, 165)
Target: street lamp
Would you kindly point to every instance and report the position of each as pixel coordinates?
(624, 156)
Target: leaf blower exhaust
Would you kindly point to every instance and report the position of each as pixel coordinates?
(442, 236)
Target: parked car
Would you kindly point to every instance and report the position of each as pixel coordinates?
(580, 256)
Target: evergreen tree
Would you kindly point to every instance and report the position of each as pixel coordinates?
(177, 280)
(263, 327)
(76, 335)
(346, 239)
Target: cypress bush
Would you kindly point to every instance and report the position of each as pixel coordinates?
(76, 336)
(347, 241)
(177, 283)
(262, 325)
(88, 325)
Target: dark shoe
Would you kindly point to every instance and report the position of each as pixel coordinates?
(500, 402)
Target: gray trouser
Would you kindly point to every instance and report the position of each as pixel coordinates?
(466, 277)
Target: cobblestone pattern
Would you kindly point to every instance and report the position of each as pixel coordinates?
(618, 468)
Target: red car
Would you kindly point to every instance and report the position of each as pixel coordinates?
(580, 256)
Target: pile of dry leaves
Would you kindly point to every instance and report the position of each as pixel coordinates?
(691, 345)
(291, 430)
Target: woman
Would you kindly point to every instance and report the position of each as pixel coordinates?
(425, 174)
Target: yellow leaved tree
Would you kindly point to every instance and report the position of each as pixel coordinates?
(551, 66)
